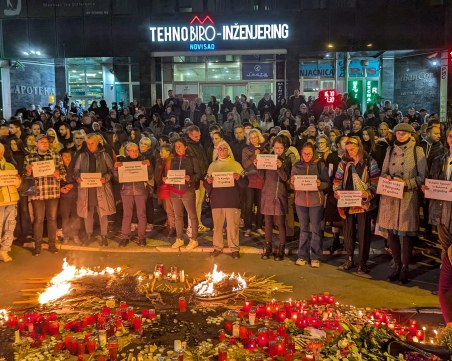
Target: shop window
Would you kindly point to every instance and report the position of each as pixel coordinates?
(310, 85)
(85, 80)
(257, 90)
(189, 72)
(223, 71)
(122, 73)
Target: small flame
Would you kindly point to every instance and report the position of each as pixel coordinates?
(60, 285)
(206, 288)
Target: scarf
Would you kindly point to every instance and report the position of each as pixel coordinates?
(225, 165)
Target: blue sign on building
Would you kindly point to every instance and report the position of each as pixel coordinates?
(314, 70)
(359, 68)
(257, 71)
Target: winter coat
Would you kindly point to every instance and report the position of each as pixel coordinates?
(191, 166)
(401, 216)
(311, 198)
(136, 188)
(274, 193)
(440, 212)
(9, 195)
(160, 171)
(200, 154)
(105, 200)
(431, 150)
(248, 157)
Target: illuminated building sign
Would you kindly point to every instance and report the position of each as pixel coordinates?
(204, 34)
(364, 68)
(327, 97)
(314, 70)
(371, 91)
(355, 89)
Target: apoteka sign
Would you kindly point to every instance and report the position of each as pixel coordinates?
(204, 34)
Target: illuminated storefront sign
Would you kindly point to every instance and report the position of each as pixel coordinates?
(313, 70)
(371, 91)
(205, 34)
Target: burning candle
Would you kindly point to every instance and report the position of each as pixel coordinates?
(331, 300)
(113, 347)
(252, 344)
(145, 313)
(54, 328)
(262, 337)
(282, 330)
(151, 313)
(269, 309)
(252, 316)
(294, 317)
(247, 305)
(320, 299)
(221, 336)
(91, 345)
(280, 345)
(260, 311)
(130, 314)
(137, 324)
(235, 330)
(420, 335)
(281, 315)
(182, 304)
(413, 328)
(314, 299)
(228, 326)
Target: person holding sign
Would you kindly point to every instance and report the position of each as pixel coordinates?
(92, 200)
(183, 195)
(133, 194)
(357, 172)
(440, 215)
(225, 200)
(309, 205)
(45, 201)
(9, 196)
(274, 200)
(256, 146)
(406, 163)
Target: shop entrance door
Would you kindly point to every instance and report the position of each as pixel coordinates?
(221, 90)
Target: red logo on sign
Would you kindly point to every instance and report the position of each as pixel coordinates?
(196, 18)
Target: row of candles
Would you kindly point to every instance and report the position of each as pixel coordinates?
(174, 275)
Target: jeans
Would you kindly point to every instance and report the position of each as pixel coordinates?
(280, 221)
(253, 197)
(25, 227)
(7, 225)
(89, 222)
(185, 201)
(69, 218)
(232, 216)
(127, 204)
(310, 249)
(45, 208)
(362, 220)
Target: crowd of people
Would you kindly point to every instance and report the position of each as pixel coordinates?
(344, 147)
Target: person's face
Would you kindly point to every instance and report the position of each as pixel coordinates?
(132, 152)
(96, 127)
(383, 130)
(254, 139)
(195, 136)
(164, 153)
(435, 134)
(307, 154)
(342, 143)
(14, 146)
(296, 92)
(216, 139)
(113, 115)
(129, 127)
(303, 109)
(411, 111)
(31, 142)
(126, 111)
(323, 145)
(170, 94)
(239, 134)
(92, 144)
(278, 148)
(43, 145)
(366, 135)
(78, 139)
(356, 125)
(43, 117)
(449, 139)
(144, 147)
(13, 129)
(63, 131)
(389, 113)
(180, 148)
(56, 114)
(311, 131)
(402, 136)
(132, 135)
(322, 126)
(286, 122)
(223, 151)
(333, 137)
(35, 129)
(352, 150)
(67, 157)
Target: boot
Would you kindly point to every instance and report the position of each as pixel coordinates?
(395, 274)
(403, 278)
(336, 244)
(348, 264)
(267, 251)
(103, 241)
(52, 248)
(37, 250)
(279, 256)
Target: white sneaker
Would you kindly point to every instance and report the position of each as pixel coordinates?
(149, 227)
(192, 244)
(178, 244)
(260, 231)
(133, 227)
(202, 228)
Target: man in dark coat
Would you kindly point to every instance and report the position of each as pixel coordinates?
(266, 105)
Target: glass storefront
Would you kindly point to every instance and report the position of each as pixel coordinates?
(85, 80)
(316, 75)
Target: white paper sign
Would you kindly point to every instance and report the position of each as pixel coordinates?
(305, 183)
(8, 178)
(90, 180)
(223, 179)
(438, 189)
(133, 172)
(267, 161)
(43, 168)
(175, 176)
(390, 188)
(349, 199)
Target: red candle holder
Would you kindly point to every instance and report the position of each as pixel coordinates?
(54, 328)
(260, 311)
(243, 332)
(228, 326)
(145, 313)
(113, 347)
(269, 310)
(420, 335)
(314, 299)
(320, 299)
(262, 337)
(221, 335)
(280, 345)
(91, 345)
(282, 330)
(413, 328)
(247, 305)
(222, 353)
(282, 315)
(137, 324)
(252, 343)
(130, 314)
(151, 313)
(272, 348)
(106, 310)
(182, 305)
